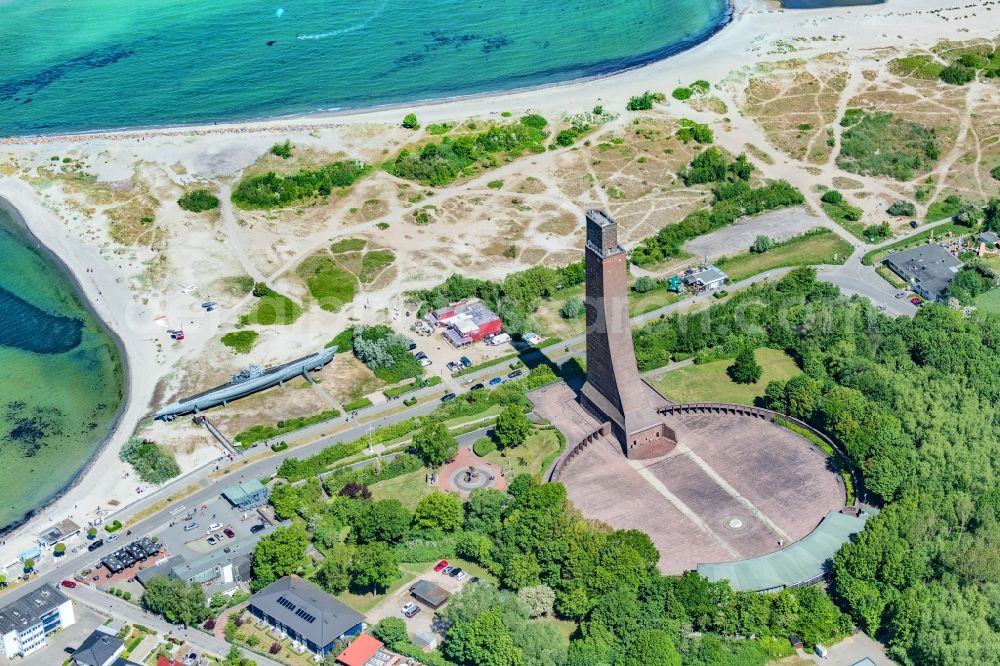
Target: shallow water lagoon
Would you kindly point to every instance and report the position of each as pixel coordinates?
(61, 381)
(100, 64)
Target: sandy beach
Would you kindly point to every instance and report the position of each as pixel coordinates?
(131, 298)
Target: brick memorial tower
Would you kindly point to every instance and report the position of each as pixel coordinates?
(614, 391)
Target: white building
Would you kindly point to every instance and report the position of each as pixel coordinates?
(26, 621)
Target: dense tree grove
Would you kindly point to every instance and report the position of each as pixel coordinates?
(913, 403)
(271, 190)
(439, 163)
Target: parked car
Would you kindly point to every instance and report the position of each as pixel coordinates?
(447, 570)
(425, 361)
(440, 565)
(420, 355)
(256, 528)
(454, 367)
(458, 574)
(900, 294)
(212, 541)
(68, 583)
(477, 387)
(465, 361)
(448, 396)
(515, 374)
(229, 533)
(916, 300)
(410, 609)
(411, 346)
(94, 546)
(190, 526)
(495, 381)
(913, 224)
(113, 537)
(214, 526)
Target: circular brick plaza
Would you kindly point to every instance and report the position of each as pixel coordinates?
(736, 487)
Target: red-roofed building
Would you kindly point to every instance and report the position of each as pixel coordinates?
(466, 322)
(365, 650)
(167, 661)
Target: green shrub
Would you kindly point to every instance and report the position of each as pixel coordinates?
(682, 93)
(354, 405)
(690, 130)
(114, 526)
(995, 172)
(957, 74)
(832, 197)
(645, 101)
(439, 128)
(410, 121)
(484, 446)
(902, 209)
(151, 462)
(240, 341)
(279, 446)
(271, 190)
(197, 201)
(282, 150)
(495, 184)
(940, 210)
(700, 86)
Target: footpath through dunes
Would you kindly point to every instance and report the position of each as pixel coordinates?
(736, 487)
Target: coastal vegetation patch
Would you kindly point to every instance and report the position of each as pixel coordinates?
(240, 342)
(442, 162)
(198, 201)
(883, 144)
(271, 190)
(271, 308)
(645, 101)
(348, 245)
(385, 352)
(842, 212)
(330, 285)
(282, 150)
(916, 66)
(373, 263)
(151, 462)
(259, 433)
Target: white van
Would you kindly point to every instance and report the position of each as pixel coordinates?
(499, 339)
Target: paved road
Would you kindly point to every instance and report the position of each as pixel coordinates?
(113, 607)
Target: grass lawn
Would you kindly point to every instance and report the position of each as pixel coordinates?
(564, 627)
(708, 382)
(240, 341)
(839, 212)
(348, 245)
(408, 488)
(652, 300)
(365, 602)
(989, 301)
(274, 308)
(529, 456)
(821, 247)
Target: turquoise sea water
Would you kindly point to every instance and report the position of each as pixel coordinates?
(61, 382)
(101, 64)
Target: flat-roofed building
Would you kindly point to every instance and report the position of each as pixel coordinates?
(58, 533)
(929, 269)
(26, 621)
(247, 495)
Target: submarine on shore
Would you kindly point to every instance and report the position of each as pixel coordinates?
(247, 382)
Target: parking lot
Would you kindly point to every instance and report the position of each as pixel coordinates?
(392, 605)
(197, 540)
(70, 637)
